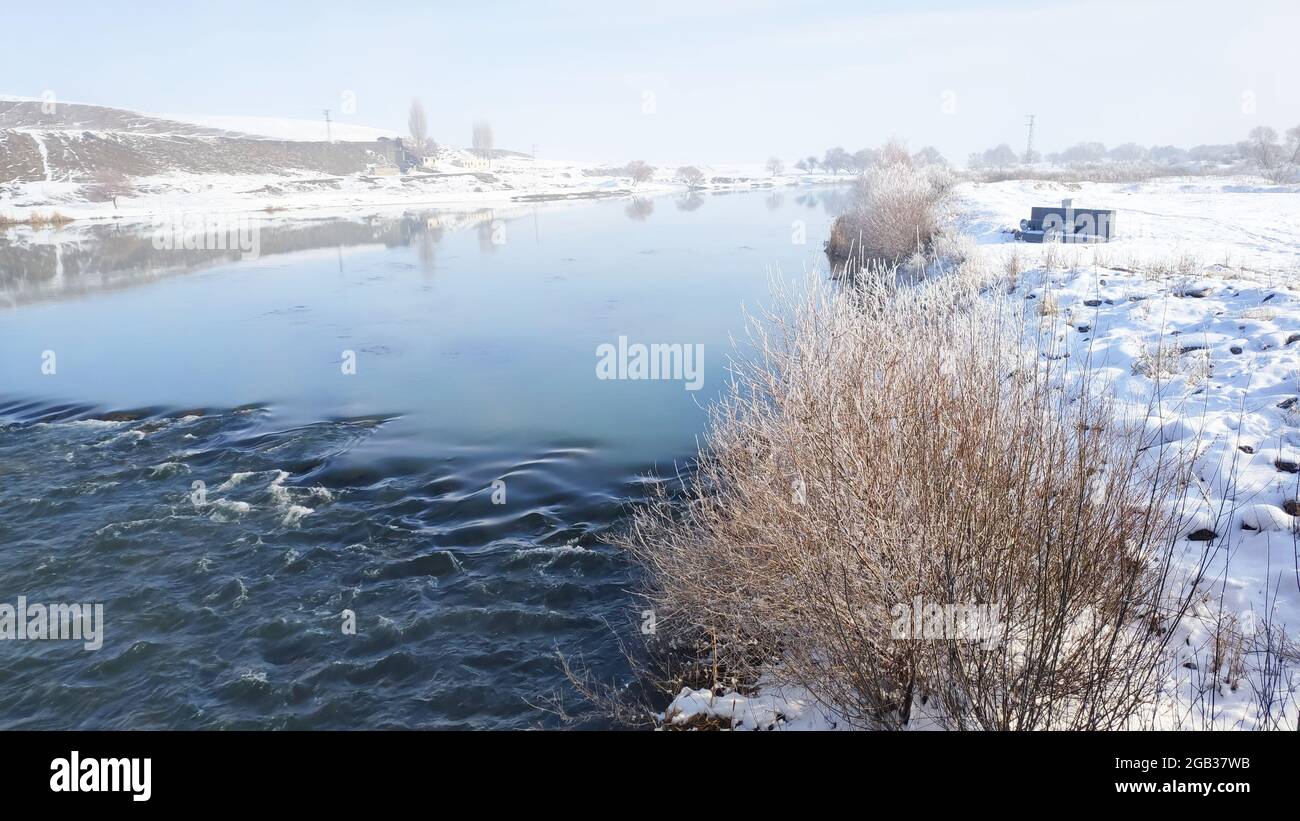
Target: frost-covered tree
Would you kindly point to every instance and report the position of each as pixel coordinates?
(1168, 154)
(1220, 154)
(418, 125)
(483, 139)
(1267, 154)
(1129, 152)
(639, 171)
(692, 176)
(837, 159)
(1083, 152)
(929, 155)
(1000, 156)
(864, 159)
(775, 166)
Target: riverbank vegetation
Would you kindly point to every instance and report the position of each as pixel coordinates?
(890, 453)
(36, 219)
(890, 450)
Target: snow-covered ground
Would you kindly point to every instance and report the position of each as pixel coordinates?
(91, 162)
(449, 185)
(1204, 281)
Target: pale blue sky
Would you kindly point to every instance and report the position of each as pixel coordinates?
(730, 80)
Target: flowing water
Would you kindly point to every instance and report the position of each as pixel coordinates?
(397, 416)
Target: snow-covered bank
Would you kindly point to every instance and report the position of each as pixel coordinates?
(447, 185)
(1192, 316)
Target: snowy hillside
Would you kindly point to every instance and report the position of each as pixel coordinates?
(277, 128)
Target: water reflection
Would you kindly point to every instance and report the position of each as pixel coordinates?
(639, 209)
(690, 201)
(85, 257)
(832, 201)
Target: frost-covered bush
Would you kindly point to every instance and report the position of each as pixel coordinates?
(897, 210)
(893, 447)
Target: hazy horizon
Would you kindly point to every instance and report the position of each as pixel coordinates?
(701, 82)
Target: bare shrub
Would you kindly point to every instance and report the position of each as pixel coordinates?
(897, 210)
(1259, 313)
(1158, 362)
(1052, 257)
(885, 448)
(53, 219)
(1178, 265)
(1012, 270)
(894, 152)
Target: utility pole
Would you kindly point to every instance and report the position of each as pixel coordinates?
(1029, 144)
(328, 139)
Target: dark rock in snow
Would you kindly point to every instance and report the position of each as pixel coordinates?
(1286, 466)
(1245, 449)
(1236, 349)
(1092, 303)
(1292, 338)
(1202, 535)
(1288, 403)
(1292, 507)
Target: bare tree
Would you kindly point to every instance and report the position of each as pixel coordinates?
(775, 166)
(1267, 154)
(483, 139)
(1293, 140)
(418, 125)
(109, 184)
(639, 171)
(690, 175)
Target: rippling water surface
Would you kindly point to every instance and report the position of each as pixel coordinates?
(474, 338)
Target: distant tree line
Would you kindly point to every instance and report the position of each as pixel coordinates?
(837, 159)
(1273, 156)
